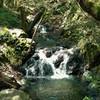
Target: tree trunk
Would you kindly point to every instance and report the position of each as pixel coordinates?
(35, 21)
(23, 18)
(1, 3)
(88, 7)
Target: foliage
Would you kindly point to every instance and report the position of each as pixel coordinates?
(13, 48)
(93, 78)
(82, 30)
(9, 18)
(87, 98)
(79, 29)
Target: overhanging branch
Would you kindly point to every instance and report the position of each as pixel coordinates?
(89, 8)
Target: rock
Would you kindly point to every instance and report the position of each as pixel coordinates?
(54, 50)
(22, 70)
(35, 56)
(74, 64)
(17, 32)
(14, 46)
(58, 61)
(47, 70)
(48, 54)
(13, 94)
(30, 73)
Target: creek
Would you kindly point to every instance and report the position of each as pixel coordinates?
(52, 71)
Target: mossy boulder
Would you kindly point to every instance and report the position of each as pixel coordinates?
(13, 94)
(9, 18)
(14, 45)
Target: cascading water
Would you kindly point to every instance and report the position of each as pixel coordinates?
(48, 70)
(50, 63)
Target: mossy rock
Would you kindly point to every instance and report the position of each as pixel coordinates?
(12, 94)
(13, 45)
(9, 18)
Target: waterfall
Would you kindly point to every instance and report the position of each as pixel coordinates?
(51, 63)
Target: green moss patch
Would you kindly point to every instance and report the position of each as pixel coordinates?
(9, 18)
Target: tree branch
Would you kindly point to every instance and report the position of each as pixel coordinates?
(89, 8)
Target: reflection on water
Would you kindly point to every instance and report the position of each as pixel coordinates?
(46, 63)
(63, 89)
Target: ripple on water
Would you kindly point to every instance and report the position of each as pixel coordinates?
(63, 89)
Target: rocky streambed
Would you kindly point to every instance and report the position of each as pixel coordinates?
(49, 72)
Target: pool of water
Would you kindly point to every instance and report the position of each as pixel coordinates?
(63, 89)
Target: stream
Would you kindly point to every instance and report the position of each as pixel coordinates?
(54, 89)
(52, 71)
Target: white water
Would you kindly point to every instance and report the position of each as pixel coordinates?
(58, 72)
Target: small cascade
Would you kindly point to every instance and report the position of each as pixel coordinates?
(50, 63)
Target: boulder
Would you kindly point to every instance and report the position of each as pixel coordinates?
(58, 61)
(14, 46)
(13, 94)
(48, 54)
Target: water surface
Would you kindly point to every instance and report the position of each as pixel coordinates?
(62, 89)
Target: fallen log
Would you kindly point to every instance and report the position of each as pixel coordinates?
(8, 77)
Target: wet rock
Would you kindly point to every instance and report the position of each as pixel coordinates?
(22, 70)
(47, 70)
(17, 32)
(48, 54)
(74, 64)
(36, 56)
(30, 73)
(58, 61)
(53, 50)
(37, 71)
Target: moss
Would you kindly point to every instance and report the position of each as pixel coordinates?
(12, 94)
(9, 18)
(87, 98)
(13, 47)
